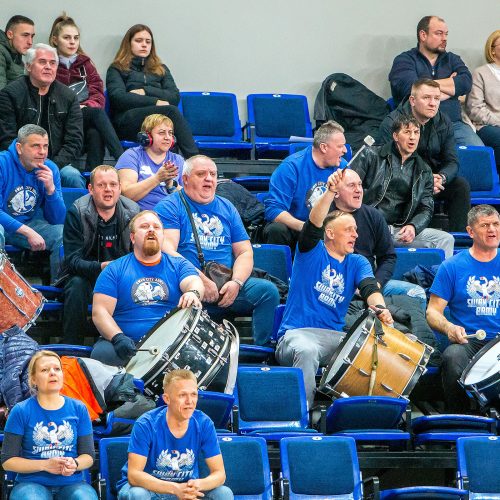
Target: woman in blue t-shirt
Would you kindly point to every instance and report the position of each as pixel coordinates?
(48, 438)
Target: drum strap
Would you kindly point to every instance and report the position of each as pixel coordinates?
(373, 373)
(201, 257)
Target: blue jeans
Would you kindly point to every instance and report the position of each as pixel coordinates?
(128, 492)
(398, 287)
(51, 233)
(259, 298)
(35, 491)
(71, 177)
(490, 135)
(465, 135)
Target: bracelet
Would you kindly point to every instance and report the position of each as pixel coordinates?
(196, 292)
(76, 462)
(173, 188)
(240, 283)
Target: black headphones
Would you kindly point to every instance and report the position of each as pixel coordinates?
(145, 139)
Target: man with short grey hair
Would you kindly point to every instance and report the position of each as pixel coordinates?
(39, 98)
(299, 181)
(30, 184)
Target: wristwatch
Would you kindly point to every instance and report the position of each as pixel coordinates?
(443, 178)
(196, 292)
(76, 462)
(173, 188)
(240, 283)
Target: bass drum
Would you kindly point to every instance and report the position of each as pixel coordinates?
(401, 361)
(189, 339)
(19, 302)
(481, 377)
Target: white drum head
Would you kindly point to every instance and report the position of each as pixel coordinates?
(163, 337)
(486, 366)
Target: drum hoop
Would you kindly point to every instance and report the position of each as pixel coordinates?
(337, 377)
(233, 358)
(157, 368)
(3, 259)
(39, 309)
(479, 354)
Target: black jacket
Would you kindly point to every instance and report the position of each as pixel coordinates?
(20, 105)
(79, 234)
(436, 146)
(374, 166)
(120, 83)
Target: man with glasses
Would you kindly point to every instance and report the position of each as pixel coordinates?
(325, 275)
(469, 285)
(430, 60)
(96, 232)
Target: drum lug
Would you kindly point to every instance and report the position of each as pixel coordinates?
(387, 388)
(366, 374)
(404, 356)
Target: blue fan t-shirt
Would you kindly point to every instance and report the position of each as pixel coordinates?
(138, 160)
(47, 434)
(472, 290)
(144, 294)
(218, 224)
(170, 458)
(321, 289)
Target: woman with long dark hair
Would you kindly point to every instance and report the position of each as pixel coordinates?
(77, 71)
(139, 85)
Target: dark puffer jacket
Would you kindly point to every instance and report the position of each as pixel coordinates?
(120, 83)
(20, 105)
(374, 166)
(11, 62)
(437, 141)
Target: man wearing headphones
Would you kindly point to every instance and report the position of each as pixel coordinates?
(151, 171)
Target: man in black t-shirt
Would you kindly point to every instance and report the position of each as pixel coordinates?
(96, 231)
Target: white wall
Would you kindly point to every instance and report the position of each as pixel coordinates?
(286, 46)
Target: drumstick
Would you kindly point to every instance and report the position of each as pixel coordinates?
(152, 350)
(479, 335)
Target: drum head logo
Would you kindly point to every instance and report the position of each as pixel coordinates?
(484, 294)
(22, 200)
(174, 465)
(148, 290)
(330, 287)
(209, 231)
(314, 193)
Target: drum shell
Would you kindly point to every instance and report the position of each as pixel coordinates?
(401, 362)
(486, 391)
(208, 349)
(19, 302)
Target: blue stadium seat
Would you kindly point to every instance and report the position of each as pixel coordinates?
(271, 402)
(217, 406)
(477, 165)
(275, 259)
(368, 419)
(113, 454)
(320, 467)
(80, 351)
(254, 182)
(408, 258)
(274, 118)
(214, 121)
(478, 465)
(70, 195)
(441, 429)
(424, 493)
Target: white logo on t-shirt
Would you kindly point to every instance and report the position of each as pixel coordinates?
(145, 170)
(330, 287)
(484, 295)
(209, 231)
(53, 440)
(174, 465)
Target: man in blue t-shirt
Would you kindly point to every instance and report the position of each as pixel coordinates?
(223, 239)
(135, 291)
(325, 275)
(299, 181)
(469, 284)
(165, 447)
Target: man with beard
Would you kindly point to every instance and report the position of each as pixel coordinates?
(400, 184)
(135, 291)
(430, 60)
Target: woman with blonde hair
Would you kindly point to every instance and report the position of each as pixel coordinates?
(483, 101)
(77, 71)
(48, 438)
(139, 84)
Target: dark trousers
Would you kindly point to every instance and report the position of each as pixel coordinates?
(456, 357)
(98, 134)
(456, 197)
(278, 233)
(129, 123)
(77, 297)
(490, 135)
